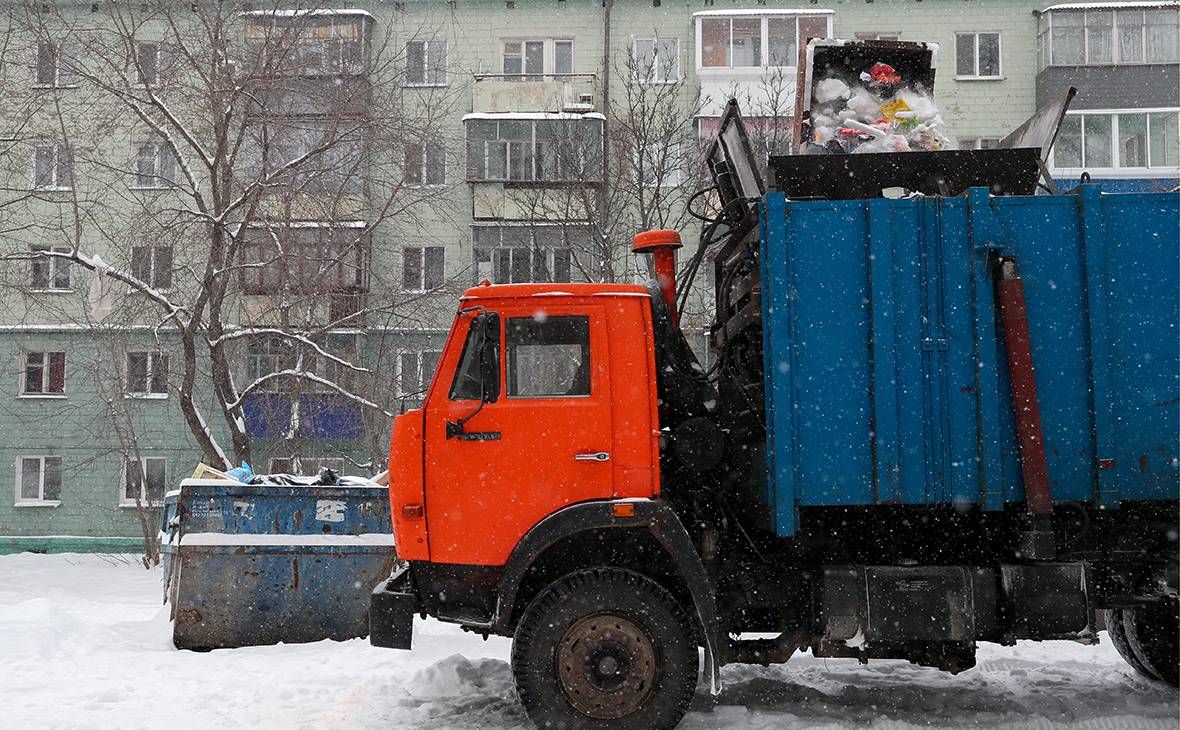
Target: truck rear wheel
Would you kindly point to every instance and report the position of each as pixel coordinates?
(1152, 633)
(1113, 618)
(604, 648)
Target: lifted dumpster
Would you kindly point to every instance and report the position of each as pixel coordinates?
(248, 565)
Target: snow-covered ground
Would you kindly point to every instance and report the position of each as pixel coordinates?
(84, 643)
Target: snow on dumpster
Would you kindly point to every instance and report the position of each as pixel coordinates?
(251, 564)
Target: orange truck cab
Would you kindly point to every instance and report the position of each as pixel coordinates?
(538, 448)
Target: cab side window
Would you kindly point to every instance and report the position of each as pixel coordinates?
(470, 375)
(548, 357)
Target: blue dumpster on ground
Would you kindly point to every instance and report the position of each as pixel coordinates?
(248, 565)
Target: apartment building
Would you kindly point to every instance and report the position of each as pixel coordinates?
(402, 151)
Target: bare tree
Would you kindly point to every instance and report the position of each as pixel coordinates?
(243, 171)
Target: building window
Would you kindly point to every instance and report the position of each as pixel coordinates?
(657, 60)
(51, 67)
(305, 44)
(269, 356)
(422, 268)
(307, 154)
(152, 265)
(657, 164)
(38, 481)
(414, 373)
(305, 466)
(52, 166)
(144, 480)
(1134, 140)
(311, 260)
(978, 143)
(147, 63)
(977, 55)
(155, 165)
(564, 148)
(751, 41)
(44, 374)
(147, 374)
(426, 164)
(524, 254)
(426, 63)
(1102, 36)
(536, 59)
(49, 273)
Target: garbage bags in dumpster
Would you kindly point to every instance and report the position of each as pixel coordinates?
(261, 564)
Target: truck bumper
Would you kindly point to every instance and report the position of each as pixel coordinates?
(391, 611)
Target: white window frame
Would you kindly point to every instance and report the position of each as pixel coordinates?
(419, 375)
(124, 501)
(422, 286)
(62, 78)
(154, 267)
(654, 78)
(1116, 169)
(969, 142)
(153, 358)
(999, 75)
(764, 40)
(65, 374)
(548, 58)
(54, 263)
(423, 182)
(60, 153)
(671, 177)
(1047, 52)
(335, 463)
(426, 46)
(161, 152)
(18, 500)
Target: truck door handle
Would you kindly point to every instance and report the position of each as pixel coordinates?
(593, 456)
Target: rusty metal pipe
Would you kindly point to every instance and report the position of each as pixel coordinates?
(1034, 464)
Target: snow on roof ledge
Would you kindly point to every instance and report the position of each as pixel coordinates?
(1106, 6)
(306, 13)
(568, 116)
(763, 11)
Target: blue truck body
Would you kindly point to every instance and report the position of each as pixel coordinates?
(886, 380)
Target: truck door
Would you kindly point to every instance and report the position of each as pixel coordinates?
(544, 443)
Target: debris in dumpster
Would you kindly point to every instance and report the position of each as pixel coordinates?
(204, 471)
(876, 110)
(241, 473)
(326, 478)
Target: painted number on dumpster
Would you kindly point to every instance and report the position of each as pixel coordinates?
(329, 510)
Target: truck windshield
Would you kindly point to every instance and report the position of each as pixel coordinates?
(548, 357)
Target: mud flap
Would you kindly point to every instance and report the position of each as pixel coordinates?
(392, 606)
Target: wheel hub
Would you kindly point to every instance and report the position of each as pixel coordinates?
(606, 665)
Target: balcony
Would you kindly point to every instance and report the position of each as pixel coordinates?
(498, 93)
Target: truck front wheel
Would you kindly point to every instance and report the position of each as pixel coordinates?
(1153, 633)
(605, 648)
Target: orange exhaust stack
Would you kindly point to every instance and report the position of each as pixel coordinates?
(662, 245)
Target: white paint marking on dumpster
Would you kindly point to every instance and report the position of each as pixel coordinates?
(329, 510)
(202, 539)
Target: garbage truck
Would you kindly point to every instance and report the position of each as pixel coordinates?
(938, 407)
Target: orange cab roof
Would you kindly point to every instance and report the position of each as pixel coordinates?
(514, 291)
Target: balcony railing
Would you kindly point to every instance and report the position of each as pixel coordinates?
(572, 92)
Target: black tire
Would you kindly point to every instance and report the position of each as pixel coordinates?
(1153, 632)
(626, 650)
(1118, 636)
